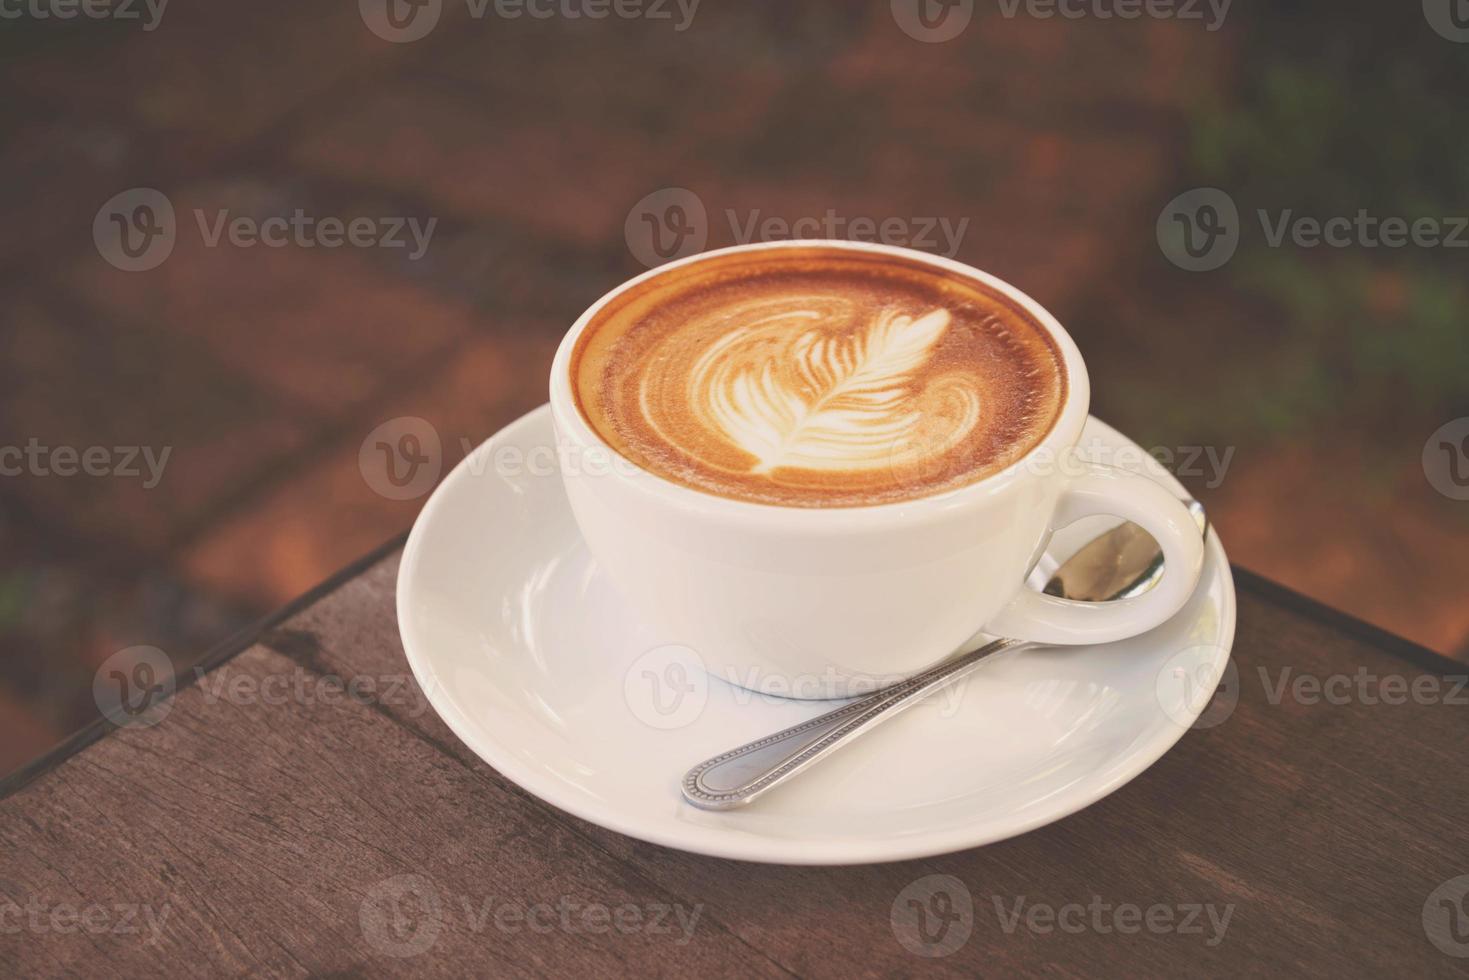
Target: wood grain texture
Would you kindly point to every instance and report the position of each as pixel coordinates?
(261, 830)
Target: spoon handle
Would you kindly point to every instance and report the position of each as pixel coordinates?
(734, 778)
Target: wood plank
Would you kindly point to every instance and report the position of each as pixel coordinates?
(277, 838)
(283, 839)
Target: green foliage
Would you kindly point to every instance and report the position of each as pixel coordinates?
(14, 594)
(1332, 116)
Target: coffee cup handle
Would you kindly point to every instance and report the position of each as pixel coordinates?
(1106, 490)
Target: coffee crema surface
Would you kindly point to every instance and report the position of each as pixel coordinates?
(817, 377)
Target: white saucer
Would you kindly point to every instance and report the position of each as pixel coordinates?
(528, 654)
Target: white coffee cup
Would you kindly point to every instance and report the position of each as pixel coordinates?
(830, 602)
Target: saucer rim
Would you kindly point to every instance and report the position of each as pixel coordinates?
(745, 844)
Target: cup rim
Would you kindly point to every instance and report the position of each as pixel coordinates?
(571, 424)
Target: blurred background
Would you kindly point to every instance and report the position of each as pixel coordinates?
(190, 414)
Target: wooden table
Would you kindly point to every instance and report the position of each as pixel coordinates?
(272, 824)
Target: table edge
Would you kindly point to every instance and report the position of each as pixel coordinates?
(217, 656)
(1425, 658)
(1422, 657)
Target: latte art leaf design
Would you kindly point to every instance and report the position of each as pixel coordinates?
(791, 392)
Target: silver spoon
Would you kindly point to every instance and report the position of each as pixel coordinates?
(1121, 563)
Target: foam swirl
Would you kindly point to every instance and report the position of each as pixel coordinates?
(792, 388)
(817, 377)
